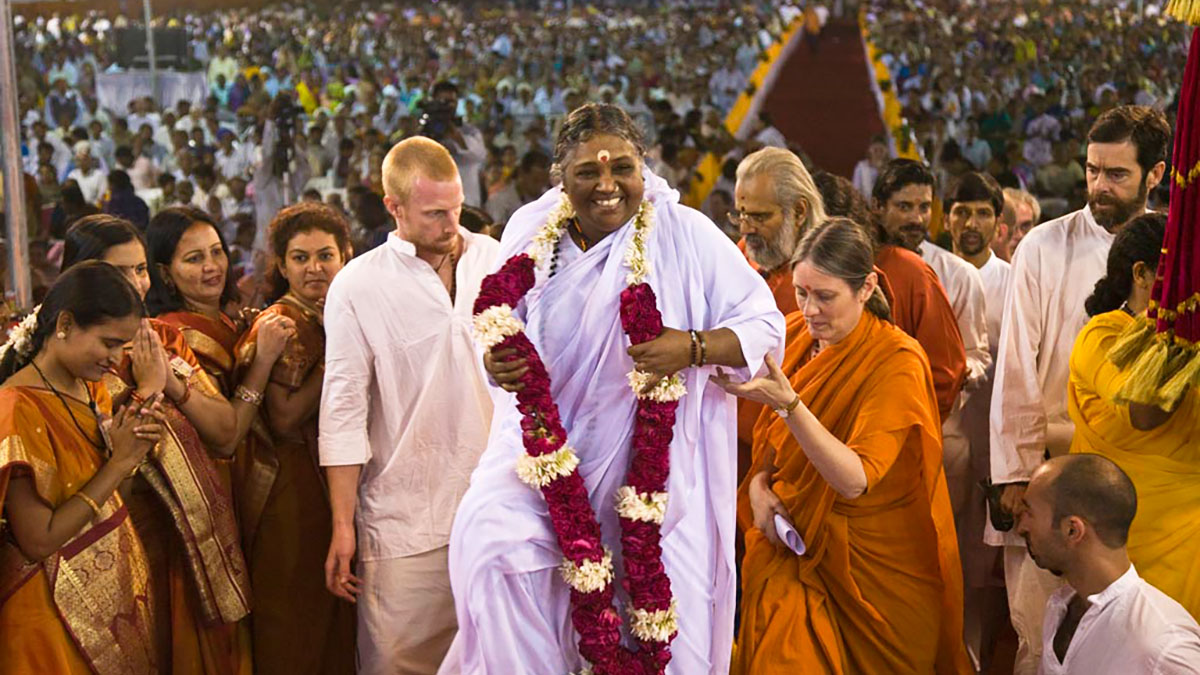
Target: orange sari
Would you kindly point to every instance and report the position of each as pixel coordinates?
(299, 626)
(86, 608)
(184, 516)
(879, 589)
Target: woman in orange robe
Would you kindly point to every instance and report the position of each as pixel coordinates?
(182, 513)
(853, 464)
(299, 626)
(75, 592)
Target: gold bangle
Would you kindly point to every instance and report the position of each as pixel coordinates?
(91, 503)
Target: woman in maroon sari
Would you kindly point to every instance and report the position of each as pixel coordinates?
(298, 625)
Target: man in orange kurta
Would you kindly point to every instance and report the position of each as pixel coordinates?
(879, 589)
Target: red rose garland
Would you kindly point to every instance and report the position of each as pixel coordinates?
(550, 465)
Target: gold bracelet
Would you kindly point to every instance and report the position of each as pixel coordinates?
(248, 395)
(91, 503)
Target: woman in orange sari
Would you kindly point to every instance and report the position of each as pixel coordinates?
(75, 591)
(299, 627)
(1159, 449)
(851, 559)
(190, 288)
(182, 513)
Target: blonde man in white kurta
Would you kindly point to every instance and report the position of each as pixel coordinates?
(405, 413)
(1053, 272)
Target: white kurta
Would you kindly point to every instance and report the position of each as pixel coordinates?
(512, 605)
(965, 289)
(1130, 628)
(1053, 272)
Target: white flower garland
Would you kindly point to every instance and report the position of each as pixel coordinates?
(493, 325)
(641, 506)
(656, 626)
(668, 389)
(20, 337)
(589, 577)
(538, 472)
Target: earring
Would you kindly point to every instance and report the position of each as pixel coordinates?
(62, 335)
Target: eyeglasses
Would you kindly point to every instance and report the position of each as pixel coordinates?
(757, 219)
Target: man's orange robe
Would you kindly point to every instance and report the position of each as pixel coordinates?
(879, 589)
(921, 309)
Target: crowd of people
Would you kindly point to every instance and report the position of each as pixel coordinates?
(355, 433)
(320, 94)
(1011, 88)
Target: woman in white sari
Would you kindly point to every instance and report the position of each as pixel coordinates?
(513, 606)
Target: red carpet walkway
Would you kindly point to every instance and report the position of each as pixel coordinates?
(824, 103)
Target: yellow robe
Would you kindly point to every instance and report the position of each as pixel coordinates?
(1164, 463)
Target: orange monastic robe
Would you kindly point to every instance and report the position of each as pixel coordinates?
(879, 589)
(86, 608)
(921, 309)
(299, 626)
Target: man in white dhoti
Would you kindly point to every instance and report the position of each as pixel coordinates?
(514, 607)
(1053, 272)
(404, 412)
(973, 205)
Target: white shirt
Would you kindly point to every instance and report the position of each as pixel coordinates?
(995, 275)
(405, 392)
(864, 178)
(92, 184)
(964, 288)
(1053, 272)
(1130, 628)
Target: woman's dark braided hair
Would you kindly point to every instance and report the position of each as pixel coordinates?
(1139, 241)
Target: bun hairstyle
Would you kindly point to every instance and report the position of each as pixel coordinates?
(1139, 241)
(841, 248)
(92, 291)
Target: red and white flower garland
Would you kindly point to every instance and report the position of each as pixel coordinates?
(550, 465)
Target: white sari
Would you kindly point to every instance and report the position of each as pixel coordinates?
(512, 605)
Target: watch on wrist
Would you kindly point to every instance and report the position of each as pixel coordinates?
(786, 411)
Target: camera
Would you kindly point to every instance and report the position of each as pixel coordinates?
(437, 119)
(286, 113)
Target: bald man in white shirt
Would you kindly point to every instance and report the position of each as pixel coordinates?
(1107, 619)
(1053, 272)
(405, 412)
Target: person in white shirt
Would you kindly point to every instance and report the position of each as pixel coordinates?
(867, 169)
(1053, 272)
(405, 412)
(92, 181)
(973, 205)
(1107, 619)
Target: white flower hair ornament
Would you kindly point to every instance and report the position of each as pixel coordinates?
(20, 337)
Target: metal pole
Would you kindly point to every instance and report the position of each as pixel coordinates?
(20, 288)
(150, 52)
